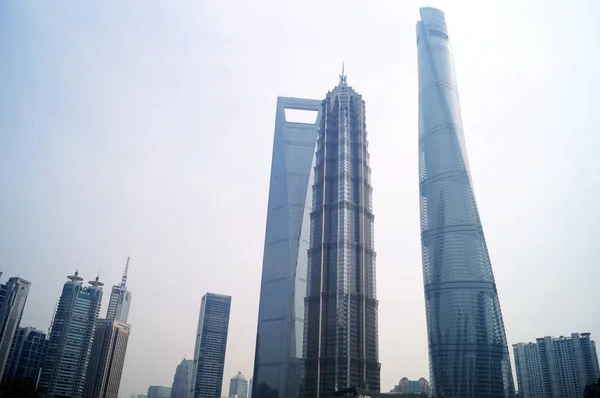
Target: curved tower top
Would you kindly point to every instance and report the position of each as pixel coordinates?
(468, 353)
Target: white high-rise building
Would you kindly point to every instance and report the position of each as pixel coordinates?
(556, 367)
(120, 299)
(238, 386)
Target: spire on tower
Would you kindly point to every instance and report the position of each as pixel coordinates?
(343, 76)
(124, 280)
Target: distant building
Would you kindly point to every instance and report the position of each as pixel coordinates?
(110, 344)
(159, 392)
(556, 367)
(211, 343)
(182, 379)
(412, 386)
(70, 344)
(120, 299)
(250, 388)
(22, 372)
(13, 296)
(108, 355)
(238, 385)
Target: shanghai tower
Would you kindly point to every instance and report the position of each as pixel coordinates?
(341, 348)
(468, 354)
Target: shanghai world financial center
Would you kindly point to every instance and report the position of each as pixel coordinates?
(318, 324)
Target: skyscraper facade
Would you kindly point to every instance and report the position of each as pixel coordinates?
(341, 321)
(110, 344)
(23, 370)
(280, 336)
(556, 367)
(182, 379)
(211, 344)
(158, 392)
(13, 296)
(104, 372)
(238, 386)
(120, 299)
(468, 353)
(70, 344)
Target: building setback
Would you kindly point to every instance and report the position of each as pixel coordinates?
(468, 353)
(70, 344)
(22, 373)
(556, 367)
(182, 379)
(108, 355)
(280, 334)
(341, 304)
(211, 344)
(13, 296)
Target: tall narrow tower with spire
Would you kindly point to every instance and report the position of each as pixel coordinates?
(120, 298)
(341, 348)
(110, 344)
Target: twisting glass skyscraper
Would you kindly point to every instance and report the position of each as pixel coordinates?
(468, 354)
(341, 322)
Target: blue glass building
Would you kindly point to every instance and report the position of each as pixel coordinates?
(22, 373)
(70, 344)
(278, 362)
(211, 343)
(468, 353)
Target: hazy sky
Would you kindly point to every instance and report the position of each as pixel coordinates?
(148, 126)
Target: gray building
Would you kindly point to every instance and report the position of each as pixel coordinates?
(556, 367)
(110, 344)
(120, 299)
(13, 296)
(341, 321)
(158, 392)
(21, 375)
(104, 371)
(238, 386)
(211, 344)
(468, 353)
(182, 379)
(70, 344)
(280, 334)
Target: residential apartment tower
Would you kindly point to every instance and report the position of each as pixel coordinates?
(556, 367)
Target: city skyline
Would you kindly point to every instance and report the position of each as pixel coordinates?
(132, 156)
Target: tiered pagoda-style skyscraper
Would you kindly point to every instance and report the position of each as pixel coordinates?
(341, 307)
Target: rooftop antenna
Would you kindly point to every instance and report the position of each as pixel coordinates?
(124, 279)
(96, 282)
(343, 75)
